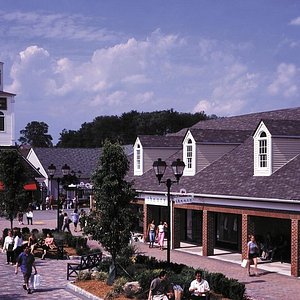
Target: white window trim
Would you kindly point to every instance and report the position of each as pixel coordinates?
(258, 170)
(138, 148)
(2, 115)
(189, 171)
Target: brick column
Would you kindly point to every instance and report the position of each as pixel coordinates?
(176, 229)
(208, 233)
(295, 248)
(247, 229)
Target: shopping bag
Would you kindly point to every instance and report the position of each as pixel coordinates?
(244, 263)
(35, 280)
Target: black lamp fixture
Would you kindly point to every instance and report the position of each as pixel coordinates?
(65, 170)
(159, 167)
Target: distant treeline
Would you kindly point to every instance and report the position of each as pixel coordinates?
(127, 127)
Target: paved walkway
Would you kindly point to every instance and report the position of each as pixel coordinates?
(269, 285)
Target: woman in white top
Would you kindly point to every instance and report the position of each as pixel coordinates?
(252, 254)
(18, 245)
(8, 247)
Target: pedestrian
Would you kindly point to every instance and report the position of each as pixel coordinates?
(160, 233)
(66, 224)
(8, 247)
(160, 288)
(151, 233)
(252, 254)
(82, 219)
(199, 287)
(26, 262)
(75, 218)
(18, 243)
(20, 218)
(51, 201)
(29, 216)
(60, 220)
(32, 242)
(47, 202)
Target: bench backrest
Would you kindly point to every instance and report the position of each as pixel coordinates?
(90, 260)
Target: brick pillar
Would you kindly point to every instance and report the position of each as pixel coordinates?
(248, 228)
(295, 248)
(176, 229)
(208, 233)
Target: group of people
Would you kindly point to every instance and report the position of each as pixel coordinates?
(162, 289)
(77, 218)
(157, 234)
(29, 216)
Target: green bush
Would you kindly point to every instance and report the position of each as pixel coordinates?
(84, 275)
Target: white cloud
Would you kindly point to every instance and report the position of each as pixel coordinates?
(286, 81)
(295, 21)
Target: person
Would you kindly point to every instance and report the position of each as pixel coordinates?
(75, 202)
(48, 244)
(199, 287)
(151, 233)
(29, 216)
(51, 202)
(66, 224)
(252, 254)
(161, 234)
(47, 202)
(75, 218)
(82, 219)
(32, 242)
(8, 247)
(20, 218)
(268, 248)
(26, 262)
(61, 220)
(160, 288)
(18, 243)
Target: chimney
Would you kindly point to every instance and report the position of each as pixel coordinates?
(1, 76)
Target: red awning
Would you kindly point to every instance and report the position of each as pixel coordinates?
(27, 187)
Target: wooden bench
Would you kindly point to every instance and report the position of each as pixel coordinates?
(88, 261)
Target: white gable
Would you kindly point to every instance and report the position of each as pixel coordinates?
(189, 154)
(138, 159)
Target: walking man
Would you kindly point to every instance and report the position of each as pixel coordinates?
(26, 262)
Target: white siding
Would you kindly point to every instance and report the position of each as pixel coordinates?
(7, 137)
(284, 149)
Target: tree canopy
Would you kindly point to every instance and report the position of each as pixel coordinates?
(112, 220)
(126, 127)
(36, 134)
(13, 176)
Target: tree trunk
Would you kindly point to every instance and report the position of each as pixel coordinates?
(112, 272)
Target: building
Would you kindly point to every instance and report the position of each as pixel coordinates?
(242, 177)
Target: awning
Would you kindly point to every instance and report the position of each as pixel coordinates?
(27, 187)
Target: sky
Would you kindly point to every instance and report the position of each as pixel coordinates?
(70, 61)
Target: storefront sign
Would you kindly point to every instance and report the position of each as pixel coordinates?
(156, 200)
(183, 200)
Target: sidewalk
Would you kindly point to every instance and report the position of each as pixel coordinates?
(269, 285)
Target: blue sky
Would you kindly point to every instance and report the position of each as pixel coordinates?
(71, 61)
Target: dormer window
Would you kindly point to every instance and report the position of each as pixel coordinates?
(189, 155)
(2, 121)
(138, 158)
(262, 151)
(263, 155)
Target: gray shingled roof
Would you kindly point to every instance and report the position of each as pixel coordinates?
(159, 141)
(83, 159)
(283, 127)
(219, 136)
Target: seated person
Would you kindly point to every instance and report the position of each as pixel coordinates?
(32, 242)
(268, 247)
(160, 288)
(199, 287)
(48, 244)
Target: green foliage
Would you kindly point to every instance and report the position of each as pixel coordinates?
(36, 135)
(112, 220)
(101, 276)
(125, 128)
(13, 175)
(84, 275)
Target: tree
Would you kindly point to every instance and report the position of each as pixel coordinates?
(36, 135)
(112, 221)
(13, 176)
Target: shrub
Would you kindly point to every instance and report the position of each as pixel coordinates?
(118, 284)
(84, 275)
(101, 276)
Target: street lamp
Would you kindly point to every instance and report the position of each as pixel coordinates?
(65, 171)
(159, 167)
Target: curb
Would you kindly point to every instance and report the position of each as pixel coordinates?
(80, 291)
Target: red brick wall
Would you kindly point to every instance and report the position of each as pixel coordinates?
(295, 248)
(208, 231)
(176, 229)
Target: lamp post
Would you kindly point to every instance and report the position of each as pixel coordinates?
(65, 171)
(159, 167)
